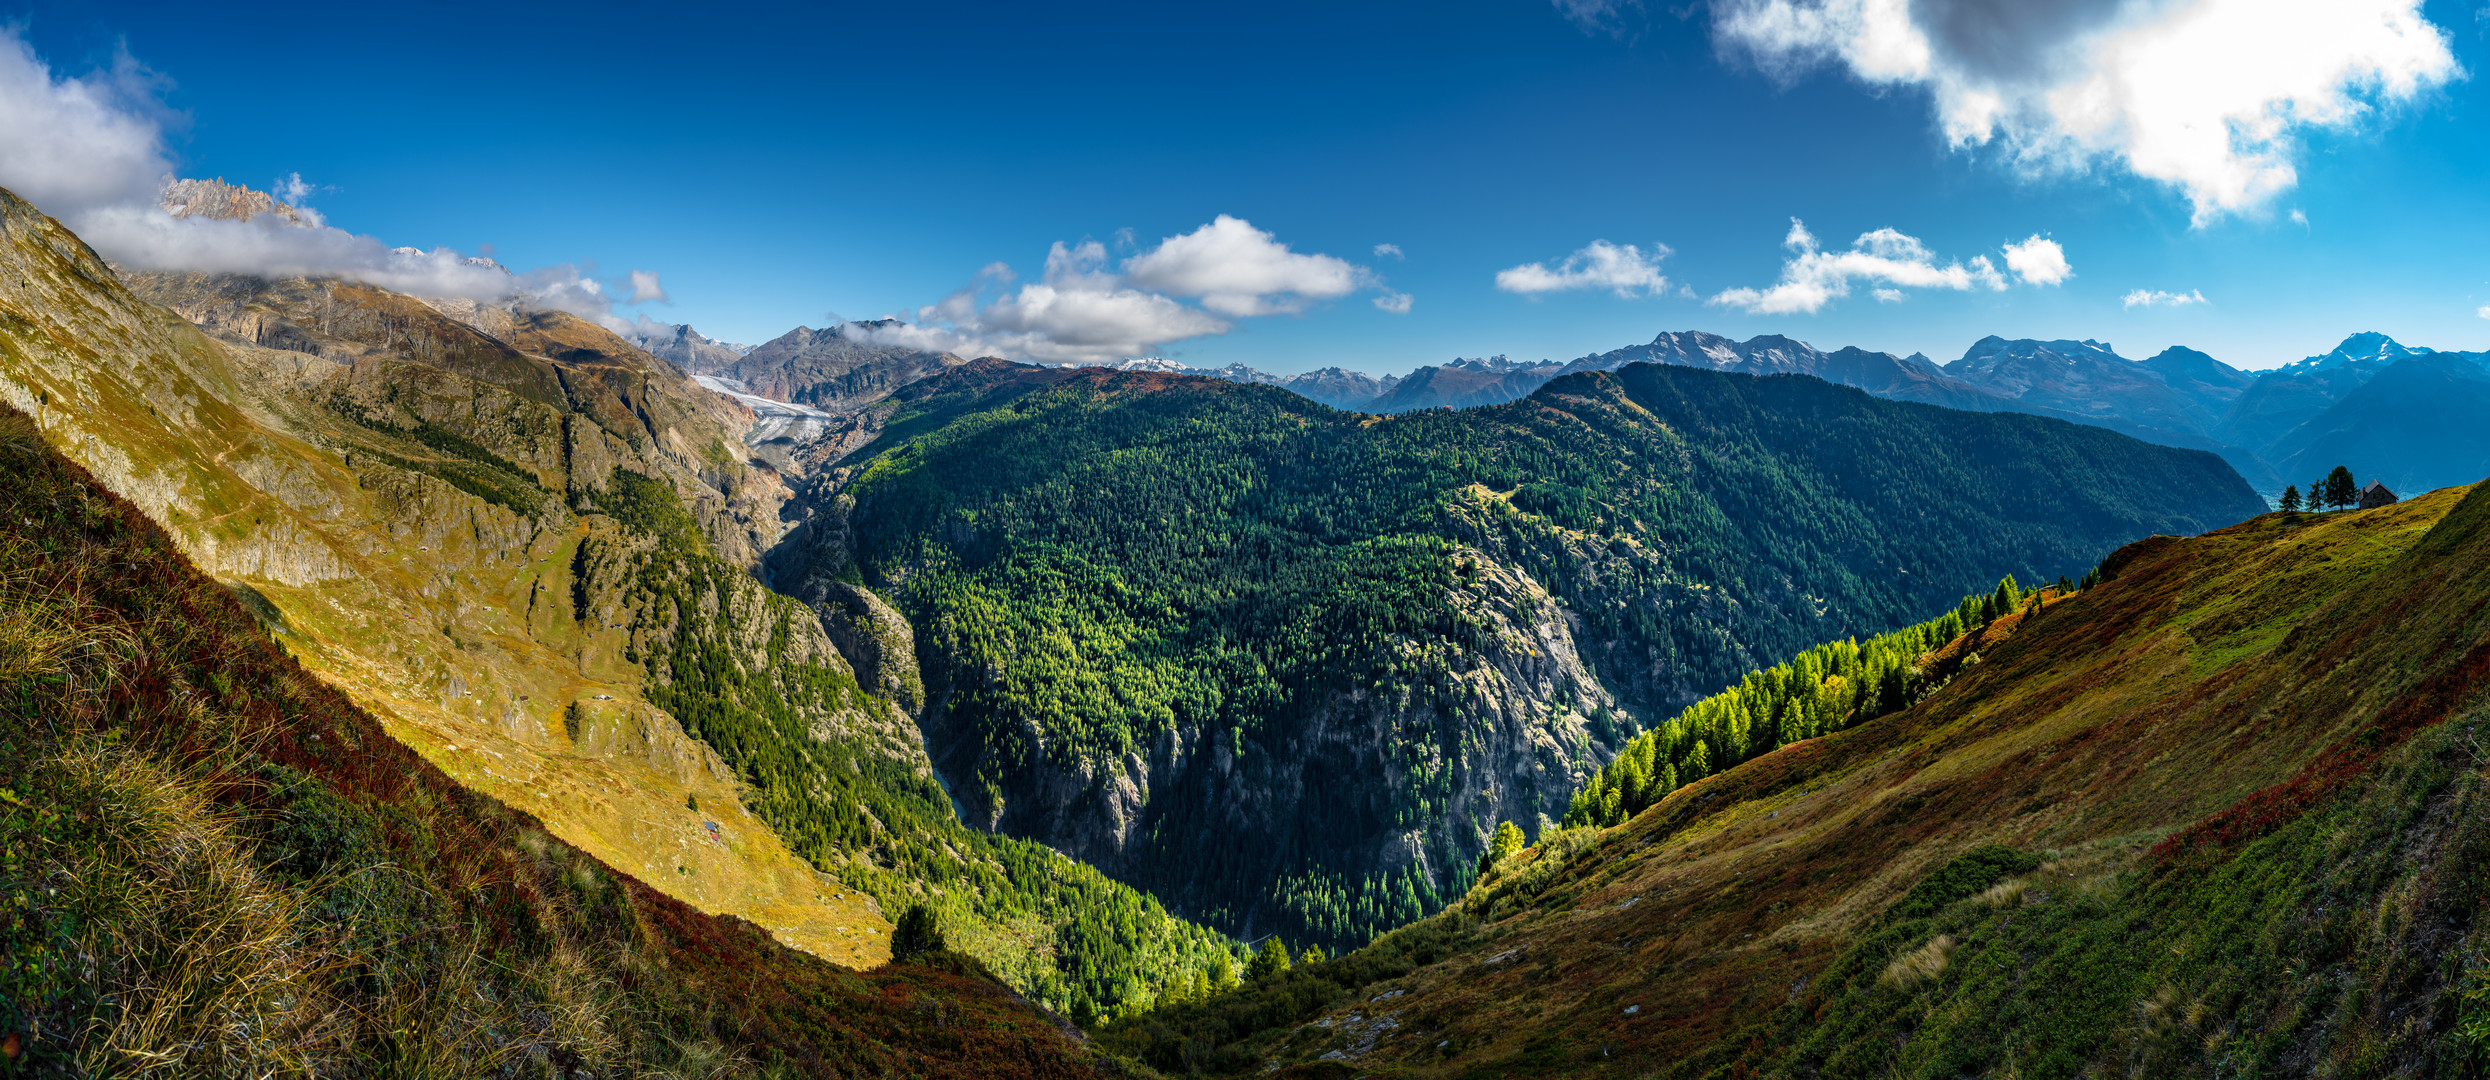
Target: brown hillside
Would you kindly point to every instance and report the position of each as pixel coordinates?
(221, 866)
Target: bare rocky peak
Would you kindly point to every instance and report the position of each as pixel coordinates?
(686, 348)
(1500, 364)
(228, 202)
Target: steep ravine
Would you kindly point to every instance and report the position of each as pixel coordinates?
(1287, 668)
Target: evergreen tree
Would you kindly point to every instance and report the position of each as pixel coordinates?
(2316, 496)
(1269, 960)
(1314, 955)
(2340, 489)
(2291, 499)
(916, 934)
(1223, 976)
(1508, 839)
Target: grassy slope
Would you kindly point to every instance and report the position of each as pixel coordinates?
(1099, 559)
(391, 577)
(2253, 866)
(217, 865)
(424, 521)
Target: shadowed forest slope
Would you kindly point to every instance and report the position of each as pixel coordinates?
(2221, 815)
(1286, 666)
(219, 866)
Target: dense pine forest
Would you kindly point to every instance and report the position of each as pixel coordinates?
(1822, 690)
(1066, 935)
(1205, 584)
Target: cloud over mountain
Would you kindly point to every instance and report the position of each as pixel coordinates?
(92, 151)
(1239, 270)
(1080, 311)
(1622, 269)
(1889, 261)
(2207, 96)
(2157, 298)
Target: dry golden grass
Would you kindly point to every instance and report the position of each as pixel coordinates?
(215, 972)
(1921, 964)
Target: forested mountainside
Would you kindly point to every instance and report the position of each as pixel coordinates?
(2222, 814)
(216, 865)
(1284, 666)
(526, 546)
(2276, 427)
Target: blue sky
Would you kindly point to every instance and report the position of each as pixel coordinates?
(776, 165)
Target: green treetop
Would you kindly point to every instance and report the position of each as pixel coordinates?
(2341, 490)
(1269, 960)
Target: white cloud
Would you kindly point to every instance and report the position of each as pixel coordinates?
(1238, 270)
(292, 188)
(1079, 311)
(91, 151)
(1812, 277)
(1392, 250)
(73, 145)
(1622, 269)
(2157, 298)
(2038, 261)
(645, 288)
(1889, 296)
(2485, 308)
(1076, 313)
(2207, 96)
(2299, 218)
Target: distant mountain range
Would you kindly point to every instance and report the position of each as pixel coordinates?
(2415, 431)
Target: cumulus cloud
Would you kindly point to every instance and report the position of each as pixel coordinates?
(1891, 261)
(645, 289)
(1391, 250)
(2038, 261)
(75, 144)
(2485, 308)
(2207, 96)
(1081, 311)
(1238, 270)
(1622, 269)
(2157, 298)
(1076, 313)
(92, 151)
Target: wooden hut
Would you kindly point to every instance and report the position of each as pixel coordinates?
(2375, 495)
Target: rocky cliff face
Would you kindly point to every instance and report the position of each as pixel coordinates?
(409, 498)
(678, 344)
(225, 202)
(837, 368)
